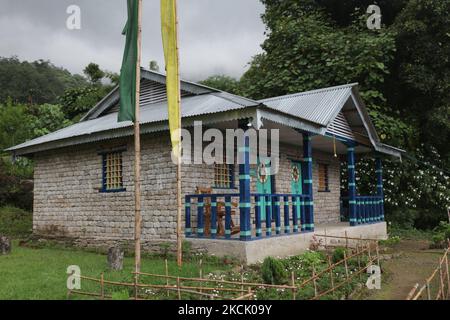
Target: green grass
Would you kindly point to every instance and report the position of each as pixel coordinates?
(40, 274)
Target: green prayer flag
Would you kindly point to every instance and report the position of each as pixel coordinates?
(127, 85)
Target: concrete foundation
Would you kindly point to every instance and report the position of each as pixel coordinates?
(254, 251)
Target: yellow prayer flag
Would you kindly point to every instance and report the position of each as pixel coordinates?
(170, 44)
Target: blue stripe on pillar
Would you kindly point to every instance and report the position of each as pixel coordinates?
(200, 217)
(213, 217)
(228, 217)
(187, 205)
(268, 216)
(307, 182)
(295, 208)
(352, 186)
(244, 191)
(287, 225)
(277, 215)
(258, 216)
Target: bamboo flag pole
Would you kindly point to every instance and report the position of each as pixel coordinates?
(179, 202)
(137, 149)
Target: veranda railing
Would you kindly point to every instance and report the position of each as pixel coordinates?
(270, 214)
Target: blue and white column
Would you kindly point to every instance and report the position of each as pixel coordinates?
(352, 185)
(308, 182)
(244, 190)
(380, 191)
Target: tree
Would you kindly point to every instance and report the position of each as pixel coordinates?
(76, 102)
(34, 82)
(14, 124)
(403, 72)
(94, 73)
(222, 82)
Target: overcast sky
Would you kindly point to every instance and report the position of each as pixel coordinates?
(216, 36)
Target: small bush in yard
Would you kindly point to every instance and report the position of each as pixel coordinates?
(338, 254)
(15, 222)
(442, 234)
(273, 271)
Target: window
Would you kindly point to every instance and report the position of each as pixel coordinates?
(223, 176)
(323, 178)
(112, 172)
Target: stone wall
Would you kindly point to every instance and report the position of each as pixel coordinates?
(68, 201)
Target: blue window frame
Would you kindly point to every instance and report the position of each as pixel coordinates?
(112, 172)
(224, 176)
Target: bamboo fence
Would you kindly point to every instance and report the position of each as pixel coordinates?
(176, 287)
(437, 285)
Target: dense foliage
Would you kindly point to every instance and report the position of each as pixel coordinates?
(34, 82)
(35, 99)
(403, 73)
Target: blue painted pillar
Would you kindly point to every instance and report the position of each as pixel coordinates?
(308, 182)
(228, 217)
(380, 191)
(244, 190)
(188, 228)
(352, 185)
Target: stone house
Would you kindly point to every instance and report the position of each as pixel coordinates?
(84, 173)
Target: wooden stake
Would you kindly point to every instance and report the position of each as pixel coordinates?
(331, 273)
(102, 288)
(201, 272)
(428, 290)
(294, 291)
(179, 201)
(178, 288)
(314, 281)
(346, 240)
(137, 150)
(167, 279)
(242, 277)
(441, 279)
(345, 264)
(359, 261)
(448, 276)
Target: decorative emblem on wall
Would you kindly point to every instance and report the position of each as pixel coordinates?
(295, 174)
(262, 173)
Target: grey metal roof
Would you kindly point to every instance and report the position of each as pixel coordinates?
(317, 106)
(151, 113)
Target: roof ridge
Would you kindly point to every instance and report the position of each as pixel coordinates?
(349, 85)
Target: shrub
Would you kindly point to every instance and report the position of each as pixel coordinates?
(15, 222)
(273, 271)
(338, 254)
(442, 234)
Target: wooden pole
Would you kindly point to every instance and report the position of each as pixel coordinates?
(102, 287)
(294, 296)
(331, 273)
(448, 276)
(137, 150)
(167, 275)
(346, 240)
(314, 280)
(201, 272)
(179, 201)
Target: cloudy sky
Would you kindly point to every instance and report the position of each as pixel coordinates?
(216, 36)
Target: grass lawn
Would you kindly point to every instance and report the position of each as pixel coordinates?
(41, 273)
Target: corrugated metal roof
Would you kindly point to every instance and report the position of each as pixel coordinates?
(150, 113)
(317, 106)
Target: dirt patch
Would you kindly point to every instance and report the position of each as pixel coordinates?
(406, 264)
